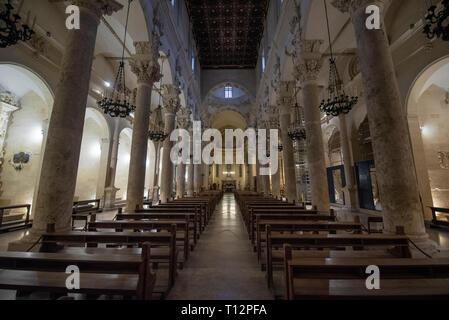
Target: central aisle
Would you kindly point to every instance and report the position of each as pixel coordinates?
(222, 266)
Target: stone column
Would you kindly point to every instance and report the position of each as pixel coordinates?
(391, 140)
(110, 190)
(154, 189)
(190, 169)
(170, 97)
(285, 103)
(350, 189)
(197, 180)
(308, 69)
(145, 66)
(275, 176)
(103, 171)
(62, 150)
(183, 120)
(204, 177)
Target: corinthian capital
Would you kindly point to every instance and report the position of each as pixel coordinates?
(170, 98)
(286, 95)
(183, 117)
(310, 61)
(97, 7)
(144, 63)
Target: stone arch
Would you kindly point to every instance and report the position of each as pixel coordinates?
(123, 158)
(427, 106)
(92, 166)
(26, 102)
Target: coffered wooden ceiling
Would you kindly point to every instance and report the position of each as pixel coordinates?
(228, 32)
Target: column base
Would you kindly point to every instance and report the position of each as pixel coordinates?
(30, 241)
(425, 244)
(109, 197)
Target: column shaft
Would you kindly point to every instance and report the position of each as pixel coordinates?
(139, 148)
(60, 162)
(315, 147)
(167, 165)
(391, 141)
(287, 155)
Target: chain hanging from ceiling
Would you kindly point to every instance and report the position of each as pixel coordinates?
(157, 131)
(297, 131)
(338, 102)
(118, 103)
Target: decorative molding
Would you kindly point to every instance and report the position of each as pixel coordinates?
(443, 157)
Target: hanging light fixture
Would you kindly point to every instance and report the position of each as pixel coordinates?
(437, 21)
(296, 131)
(157, 132)
(10, 31)
(338, 102)
(118, 103)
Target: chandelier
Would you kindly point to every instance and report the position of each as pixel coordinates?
(10, 31)
(157, 132)
(338, 102)
(118, 103)
(296, 131)
(437, 21)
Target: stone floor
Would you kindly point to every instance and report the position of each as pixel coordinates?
(222, 266)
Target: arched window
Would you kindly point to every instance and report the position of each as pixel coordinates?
(228, 92)
(263, 60)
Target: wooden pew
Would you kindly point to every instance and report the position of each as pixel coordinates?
(345, 278)
(280, 211)
(124, 275)
(82, 211)
(293, 225)
(57, 241)
(329, 241)
(176, 216)
(182, 228)
(165, 208)
(15, 221)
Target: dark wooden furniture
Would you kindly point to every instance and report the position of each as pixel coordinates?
(441, 220)
(57, 241)
(83, 211)
(182, 229)
(126, 275)
(9, 222)
(329, 241)
(345, 278)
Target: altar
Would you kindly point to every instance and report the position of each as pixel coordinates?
(229, 186)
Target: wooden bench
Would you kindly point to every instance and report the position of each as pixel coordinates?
(293, 225)
(83, 210)
(199, 216)
(175, 216)
(329, 241)
(345, 278)
(436, 219)
(294, 211)
(15, 221)
(100, 274)
(182, 229)
(58, 241)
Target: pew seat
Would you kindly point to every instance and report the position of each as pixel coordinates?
(345, 278)
(108, 274)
